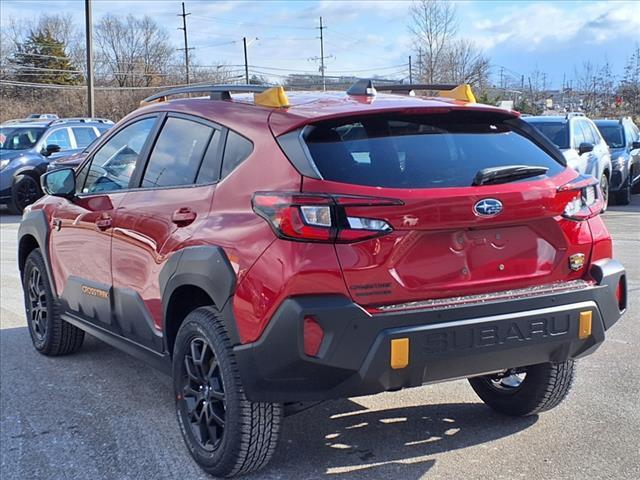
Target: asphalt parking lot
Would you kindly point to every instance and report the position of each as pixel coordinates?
(101, 414)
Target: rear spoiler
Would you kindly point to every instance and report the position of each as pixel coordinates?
(365, 87)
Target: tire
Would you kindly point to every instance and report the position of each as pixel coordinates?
(623, 197)
(634, 188)
(604, 186)
(49, 333)
(544, 387)
(239, 436)
(24, 191)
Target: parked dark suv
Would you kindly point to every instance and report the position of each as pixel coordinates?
(623, 138)
(581, 144)
(267, 250)
(28, 146)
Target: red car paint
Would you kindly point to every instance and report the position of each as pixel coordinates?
(438, 248)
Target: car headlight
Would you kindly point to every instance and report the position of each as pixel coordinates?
(4, 163)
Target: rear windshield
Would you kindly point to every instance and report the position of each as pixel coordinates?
(426, 151)
(557, 132)
(612, 135)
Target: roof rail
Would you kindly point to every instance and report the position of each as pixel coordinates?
(574, 114)
(81, 120)
(458, 92)
(216, 92)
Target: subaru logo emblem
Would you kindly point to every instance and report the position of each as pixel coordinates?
(488, 207)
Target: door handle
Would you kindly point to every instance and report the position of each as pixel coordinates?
(104, 223)
(183, 216)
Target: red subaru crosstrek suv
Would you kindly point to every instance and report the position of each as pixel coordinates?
(267, 251)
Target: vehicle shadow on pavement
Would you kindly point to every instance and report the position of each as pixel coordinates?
(6, 217)
(341, 438)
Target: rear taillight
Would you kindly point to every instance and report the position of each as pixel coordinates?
(320, 217)
(586, 199)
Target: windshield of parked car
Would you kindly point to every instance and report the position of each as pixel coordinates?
(19, 138)
(421, 151)
(613, 135)
(557, 132)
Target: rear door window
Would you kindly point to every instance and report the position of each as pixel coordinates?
(84, 136)
(427, 151)
(177, 154)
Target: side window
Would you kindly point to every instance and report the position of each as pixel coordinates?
(83, 135)
(59, 137)
(236, 150)
(594, 133)
(210, 168)
(579, 135)
(177, 154)
(113, 165)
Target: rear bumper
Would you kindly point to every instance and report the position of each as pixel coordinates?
(444, 343)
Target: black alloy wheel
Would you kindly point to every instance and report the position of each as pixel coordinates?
(37, 307)
(203, 402)
(25, 192)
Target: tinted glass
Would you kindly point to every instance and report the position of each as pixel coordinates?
(59, 137)
(19, 138)
(113, 164)
(236, 150)
(557, 132)
(177, 154)
(84, 135)
(612, 135)
(210, 168)
(430, 151)
(579, 135)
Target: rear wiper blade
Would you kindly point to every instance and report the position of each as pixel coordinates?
(506, 174)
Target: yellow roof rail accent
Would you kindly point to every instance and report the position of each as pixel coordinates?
(144, 103)
(272, 97)
(461, 92)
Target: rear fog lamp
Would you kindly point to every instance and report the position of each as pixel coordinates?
(621, 296)
(313, 336)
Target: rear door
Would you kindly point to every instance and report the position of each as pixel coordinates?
(446, 240)
(172, 197)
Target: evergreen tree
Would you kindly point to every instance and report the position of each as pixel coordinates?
(42, 58)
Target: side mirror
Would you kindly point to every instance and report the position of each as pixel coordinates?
(51, 149)
(585, 147)
(59, 183)
(635, 145)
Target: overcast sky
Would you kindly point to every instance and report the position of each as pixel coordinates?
(367, 36)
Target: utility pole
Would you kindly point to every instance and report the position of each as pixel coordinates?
(502, 78)
(324, 83)
(89, 28)
(186, 43)
(410, 72)
(246, 63)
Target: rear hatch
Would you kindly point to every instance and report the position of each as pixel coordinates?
(464, 221)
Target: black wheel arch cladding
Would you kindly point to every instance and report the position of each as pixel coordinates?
(204, 267)
(35, 226)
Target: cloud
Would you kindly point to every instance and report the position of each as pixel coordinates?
(541, 25)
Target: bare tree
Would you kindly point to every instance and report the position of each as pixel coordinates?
(135, 52)
(462, 62)
(434, 24)
(629, 88)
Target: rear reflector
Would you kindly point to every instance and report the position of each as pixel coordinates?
(399, 353)
(313, 335)
(621, 294)
(584, 329)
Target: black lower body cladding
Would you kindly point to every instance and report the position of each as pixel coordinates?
(444, 344)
